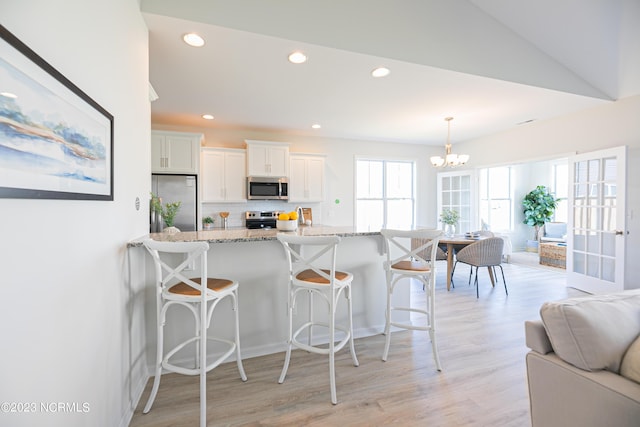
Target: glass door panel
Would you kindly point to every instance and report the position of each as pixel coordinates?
(595, 259)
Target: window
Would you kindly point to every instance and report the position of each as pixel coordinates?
(496, 198)
(385, 194)
(560, 190)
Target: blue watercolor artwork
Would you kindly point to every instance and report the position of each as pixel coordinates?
(51, 140)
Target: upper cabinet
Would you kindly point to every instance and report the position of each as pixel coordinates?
(175, 152)
(222, 175)
(306, 183)
(267, 158)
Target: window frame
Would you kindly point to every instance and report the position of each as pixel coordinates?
(511, 199)
(384, 198)
(554, 189)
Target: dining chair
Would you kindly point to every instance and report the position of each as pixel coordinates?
(312, 272)
(441, 255)
(483, 253)
(406, 260)
(175, 265)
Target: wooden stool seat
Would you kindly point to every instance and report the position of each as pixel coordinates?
(214, 284)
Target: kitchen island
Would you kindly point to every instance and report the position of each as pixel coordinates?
(256, 259)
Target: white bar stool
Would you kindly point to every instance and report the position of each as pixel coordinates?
(411, 263)
(173, 287)
(305, 275)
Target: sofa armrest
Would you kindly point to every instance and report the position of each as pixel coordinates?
(562, 395)
(536, 337)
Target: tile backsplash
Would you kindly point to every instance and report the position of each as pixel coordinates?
(237, 211)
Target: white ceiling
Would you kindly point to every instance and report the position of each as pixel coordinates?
(490, 64)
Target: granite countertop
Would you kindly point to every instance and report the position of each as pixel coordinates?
(246, 235)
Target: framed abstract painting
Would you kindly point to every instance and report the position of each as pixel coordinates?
(55, 141)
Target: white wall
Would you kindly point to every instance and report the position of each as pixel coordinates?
(68, 314)
(612, 125)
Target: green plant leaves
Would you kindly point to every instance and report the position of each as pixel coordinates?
(449, 216)
(168, 212)
(538, 206)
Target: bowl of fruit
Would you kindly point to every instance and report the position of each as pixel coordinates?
(287, 221)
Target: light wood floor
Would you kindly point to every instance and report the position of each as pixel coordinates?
(483, 381)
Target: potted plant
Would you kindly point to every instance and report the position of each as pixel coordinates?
(538, 208)
(207, 222)
(449, 218)
(167, 212)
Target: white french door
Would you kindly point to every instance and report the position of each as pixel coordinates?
(597, 229)
(455, 191)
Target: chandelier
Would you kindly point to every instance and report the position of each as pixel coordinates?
(450, 159)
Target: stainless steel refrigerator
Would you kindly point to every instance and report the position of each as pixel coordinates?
(176, 188)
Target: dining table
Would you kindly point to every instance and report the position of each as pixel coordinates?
(457, 242)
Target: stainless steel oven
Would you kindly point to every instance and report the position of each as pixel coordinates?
(260, 219)
(267, 188)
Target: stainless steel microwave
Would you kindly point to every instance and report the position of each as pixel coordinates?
(267, 188)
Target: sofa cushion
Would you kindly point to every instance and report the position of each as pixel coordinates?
(630, 367)
(593, 332)
(556, 230)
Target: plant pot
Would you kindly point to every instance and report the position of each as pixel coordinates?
(532, 246)
(171, 230)
(208, 226)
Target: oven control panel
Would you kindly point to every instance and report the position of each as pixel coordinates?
(261, 219)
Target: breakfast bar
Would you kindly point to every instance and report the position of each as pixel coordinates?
(256, 259)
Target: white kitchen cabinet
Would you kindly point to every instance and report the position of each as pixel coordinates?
(222, 175)
(267, 158)
(175, 152)
(306, 181)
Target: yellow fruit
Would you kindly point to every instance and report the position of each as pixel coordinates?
(293, 215)
(283, 217)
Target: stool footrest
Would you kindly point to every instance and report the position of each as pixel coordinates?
(167, 365)
(411, 327)
(315, 348)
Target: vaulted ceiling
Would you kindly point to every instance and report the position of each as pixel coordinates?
(491, 64)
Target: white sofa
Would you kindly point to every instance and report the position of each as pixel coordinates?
(553, 232)
(584, 365)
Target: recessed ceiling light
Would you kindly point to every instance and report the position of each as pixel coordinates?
(9, 94)
(316, 126)
(297, 57)
(207, 117)
(192, 39)
(380, 72)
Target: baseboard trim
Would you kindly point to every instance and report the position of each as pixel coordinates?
(138, 389)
